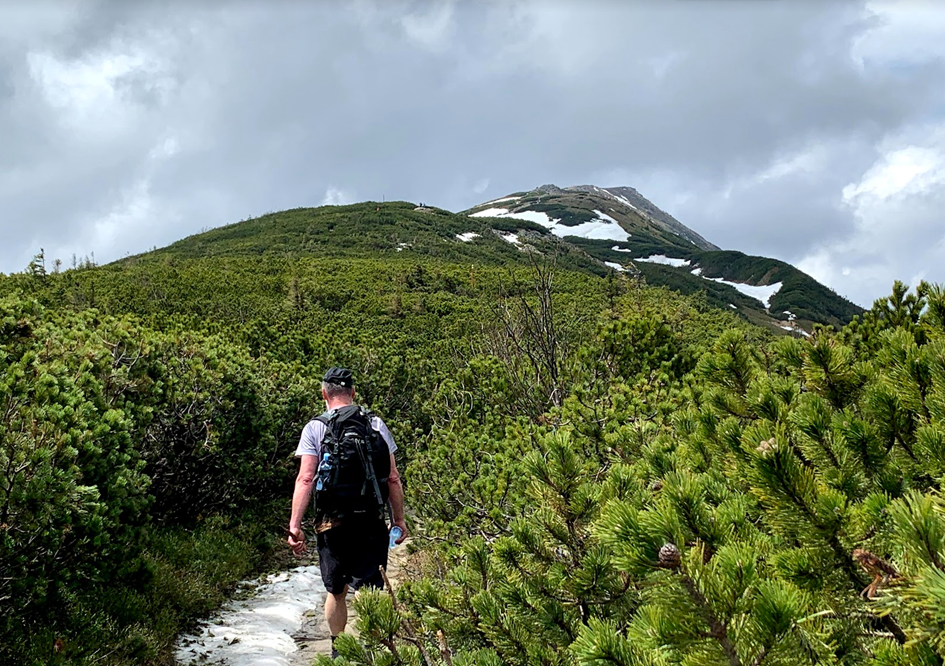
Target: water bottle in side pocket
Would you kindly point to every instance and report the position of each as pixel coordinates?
(324, 471)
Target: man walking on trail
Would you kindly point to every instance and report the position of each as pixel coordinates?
(347, 458)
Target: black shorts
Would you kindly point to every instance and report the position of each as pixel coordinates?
(351, 553)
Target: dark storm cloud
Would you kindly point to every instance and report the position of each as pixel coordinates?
(132, 124)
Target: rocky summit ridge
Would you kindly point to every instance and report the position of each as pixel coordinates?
(630, 197)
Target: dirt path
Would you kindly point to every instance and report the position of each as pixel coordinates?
(260, 625)
(255, 627)
(314, 637)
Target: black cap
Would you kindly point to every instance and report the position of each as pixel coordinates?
(339, 377)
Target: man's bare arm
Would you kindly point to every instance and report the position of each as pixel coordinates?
(300, 499)
(396, 489)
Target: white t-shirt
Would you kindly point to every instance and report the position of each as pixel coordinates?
(310, 444)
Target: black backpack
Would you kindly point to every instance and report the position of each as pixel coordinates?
(352, 480)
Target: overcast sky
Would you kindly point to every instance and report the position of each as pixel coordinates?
(813, 132)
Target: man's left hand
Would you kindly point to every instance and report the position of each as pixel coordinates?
(402, 524)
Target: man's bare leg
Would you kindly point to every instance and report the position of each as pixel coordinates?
(336, 612)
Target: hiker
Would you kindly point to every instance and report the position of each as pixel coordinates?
(347, 457)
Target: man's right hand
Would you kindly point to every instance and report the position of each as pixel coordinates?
(296, 542)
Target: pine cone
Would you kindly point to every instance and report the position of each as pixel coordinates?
(873, 564)
(669, 556)
(882, 572)
(767, 446)
(656, 485)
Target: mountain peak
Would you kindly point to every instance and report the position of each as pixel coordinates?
(586, 204)
(627, 232)
(629, 196)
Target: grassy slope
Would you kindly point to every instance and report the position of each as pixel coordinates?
(397, 232)
(800, 294)
(365, 229)
(810, 301)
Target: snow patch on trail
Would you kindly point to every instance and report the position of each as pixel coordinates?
(257, 631)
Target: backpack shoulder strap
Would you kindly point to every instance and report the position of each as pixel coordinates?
(368, 417)
(328, 418)
(353, 413)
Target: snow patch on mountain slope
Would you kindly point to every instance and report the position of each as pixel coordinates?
(663, 259)
(615, 266)
(528, 215)
(615, 197)
(762, 293)
(605, 216)
(794, 329)
(604, 228)
(624, 201)
(534, 216)
(495, 201)
(491, 212)
(468, 236)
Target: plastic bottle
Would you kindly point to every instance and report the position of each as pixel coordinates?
(324, 469)
(395, 533)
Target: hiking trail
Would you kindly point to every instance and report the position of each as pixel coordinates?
(275, 620)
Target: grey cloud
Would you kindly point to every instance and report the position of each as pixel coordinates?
(268, 106)
(7, 89)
